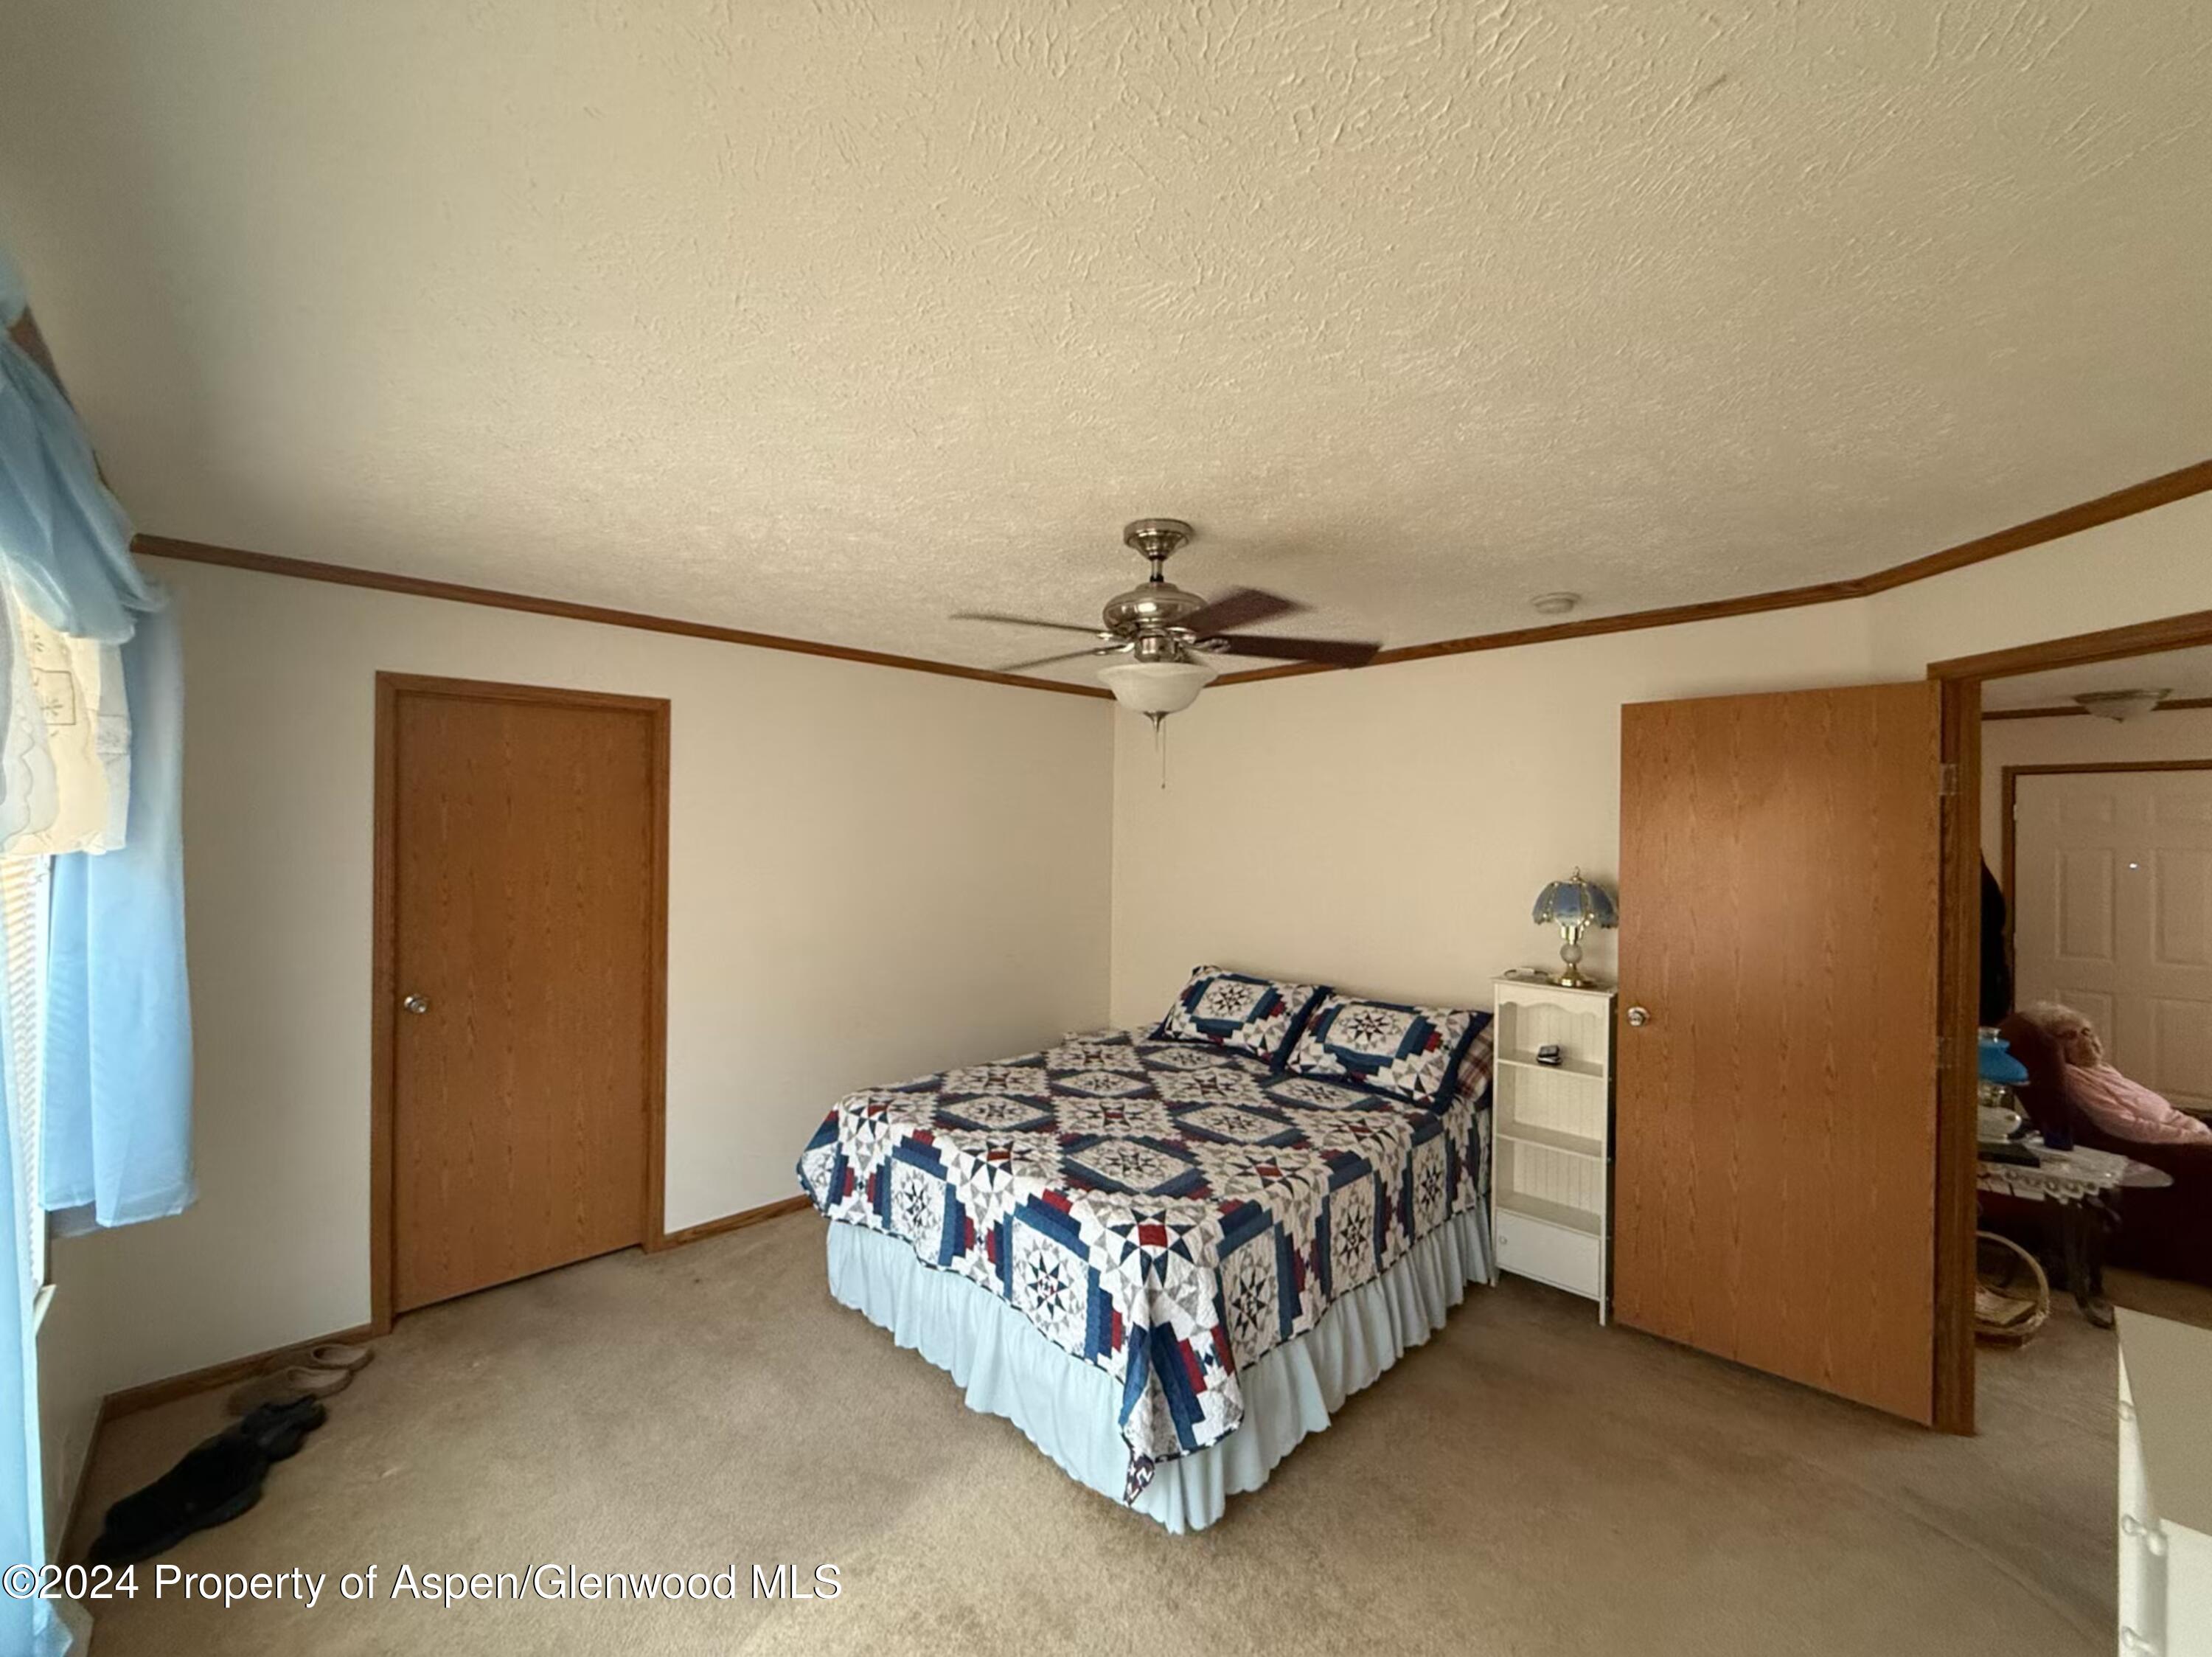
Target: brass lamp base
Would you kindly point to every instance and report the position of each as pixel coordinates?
(1570, 952)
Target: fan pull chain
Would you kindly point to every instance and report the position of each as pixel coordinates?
(1160, 744)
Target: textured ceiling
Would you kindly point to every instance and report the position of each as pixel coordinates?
(2182, 673)
(830, 318)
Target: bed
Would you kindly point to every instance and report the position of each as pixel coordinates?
(1166, 1261)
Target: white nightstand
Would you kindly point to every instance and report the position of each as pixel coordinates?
(1551, 1182)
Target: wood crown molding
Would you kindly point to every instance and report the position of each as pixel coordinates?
(2173, 705)
(2157, 492)
(269, 564)
(2140, 638)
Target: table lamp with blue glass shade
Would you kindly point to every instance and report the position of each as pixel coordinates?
(1573, 905)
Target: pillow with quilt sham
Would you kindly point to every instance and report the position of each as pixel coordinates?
(1258, 1016)
(1412, 1053)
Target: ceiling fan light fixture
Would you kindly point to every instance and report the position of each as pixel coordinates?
(1157, 688)
(2120, 704)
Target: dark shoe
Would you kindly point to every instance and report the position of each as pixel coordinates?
(281, 1428)
(215, 1482)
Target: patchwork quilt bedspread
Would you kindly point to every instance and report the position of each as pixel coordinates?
(1165, 1211)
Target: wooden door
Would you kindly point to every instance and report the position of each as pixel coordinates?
(2112, 912)
(1775, 1159)
(522, 887)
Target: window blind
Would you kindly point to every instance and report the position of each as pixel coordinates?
(23, 913)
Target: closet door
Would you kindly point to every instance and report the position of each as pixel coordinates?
(521, 862)
(2113, 911)
(1775, 1150)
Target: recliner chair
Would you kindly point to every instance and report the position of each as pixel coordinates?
(2166, 1231)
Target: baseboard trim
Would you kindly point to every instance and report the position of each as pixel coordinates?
(131, 1399)
(737, 1221)
(152, 1394)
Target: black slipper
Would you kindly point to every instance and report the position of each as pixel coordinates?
(215, 1482)
(281, 1427)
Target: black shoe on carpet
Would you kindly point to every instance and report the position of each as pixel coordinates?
(281, 1427)
(215, 1482)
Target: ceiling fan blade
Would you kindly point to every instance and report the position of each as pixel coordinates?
(1046, 661)
(1336, 652)
(1020, 621)
(1239, 607)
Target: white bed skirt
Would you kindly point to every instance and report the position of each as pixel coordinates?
(1071, 1409)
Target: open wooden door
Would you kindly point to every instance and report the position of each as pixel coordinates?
(1775, 1188)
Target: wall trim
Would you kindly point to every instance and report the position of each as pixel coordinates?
(168, 1389)
(737, 1221)
(2138, 639)
(2174, 705)
(2157, 491)
(2161, 490)
(131, 1399)
(269, 564)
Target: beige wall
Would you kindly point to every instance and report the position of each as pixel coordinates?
(1388, 829)
(2156, 563)
(874, 873)
(69, 1388)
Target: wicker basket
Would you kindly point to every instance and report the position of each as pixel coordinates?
(2012, 1295)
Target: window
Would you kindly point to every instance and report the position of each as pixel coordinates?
(23, 912)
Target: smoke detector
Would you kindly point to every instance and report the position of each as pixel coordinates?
(1554, 604)
(2120, 704)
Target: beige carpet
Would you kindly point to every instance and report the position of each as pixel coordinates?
(2161, 1297)
(1526, 1483)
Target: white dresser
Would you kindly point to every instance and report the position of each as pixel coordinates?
(1551, 1190)
(2166, 1488)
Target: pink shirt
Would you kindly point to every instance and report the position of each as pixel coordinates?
(2128, 1110)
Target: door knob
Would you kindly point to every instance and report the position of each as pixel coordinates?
(415, 1004)
(1638, 1017)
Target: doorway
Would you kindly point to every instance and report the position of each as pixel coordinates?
(2032, 684)
(518, 1021)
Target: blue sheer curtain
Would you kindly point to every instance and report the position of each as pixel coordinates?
(118, 1101)
(118, 1058)
(64, 536)
(116, 1082)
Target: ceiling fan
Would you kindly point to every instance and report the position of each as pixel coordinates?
(1171, 638)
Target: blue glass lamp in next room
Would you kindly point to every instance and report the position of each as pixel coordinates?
(1573, 905)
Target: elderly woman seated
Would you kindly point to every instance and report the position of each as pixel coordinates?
(2165, 1231)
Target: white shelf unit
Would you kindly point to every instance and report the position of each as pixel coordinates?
(2166, 1488)
(1551, 1182)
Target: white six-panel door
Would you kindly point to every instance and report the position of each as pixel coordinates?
(2112, 915)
